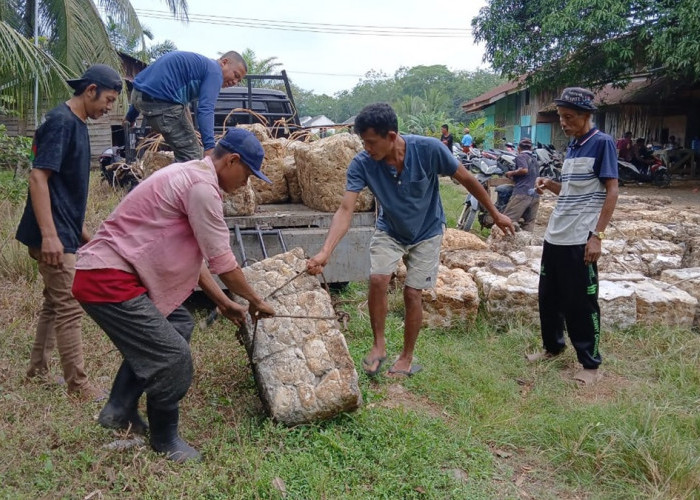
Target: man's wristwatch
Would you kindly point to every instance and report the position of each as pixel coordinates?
(600, 235)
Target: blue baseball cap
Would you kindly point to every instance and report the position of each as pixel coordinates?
(248, 147)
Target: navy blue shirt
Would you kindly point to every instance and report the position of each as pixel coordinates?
(590, 161)
(525, 183)
(181, 77)
(410, 206)
(62, 145)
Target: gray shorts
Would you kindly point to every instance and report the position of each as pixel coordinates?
(422, 259)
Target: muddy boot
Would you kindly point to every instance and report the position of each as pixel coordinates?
(121, 411)
(164, 437)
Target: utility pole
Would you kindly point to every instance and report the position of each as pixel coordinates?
(36, 82)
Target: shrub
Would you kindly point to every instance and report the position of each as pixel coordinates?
(15, 152)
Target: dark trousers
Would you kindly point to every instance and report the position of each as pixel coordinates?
(568, 295)
(173, 122)
(155, 347)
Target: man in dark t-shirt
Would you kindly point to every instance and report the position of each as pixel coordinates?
(446, 137)
(52, 222)
(524, 202)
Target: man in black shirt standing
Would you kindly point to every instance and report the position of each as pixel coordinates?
(446, 137)
(52, 223)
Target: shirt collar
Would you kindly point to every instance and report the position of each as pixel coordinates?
(577, 143)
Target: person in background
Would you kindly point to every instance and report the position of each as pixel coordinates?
(467, 141)
(568, 289)
(446, 137)
(163, 91)
(52, 225)
(164, 238)
(402, 172)
(524, 201)
(624, 147)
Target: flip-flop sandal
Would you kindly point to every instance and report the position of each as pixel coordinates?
(406, 373)
(539, 356)
(587, 377)
(366, 363)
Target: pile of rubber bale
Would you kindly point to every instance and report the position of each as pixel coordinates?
(301, 171)
(649, 270)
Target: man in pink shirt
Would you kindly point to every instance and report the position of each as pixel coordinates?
(164, 238)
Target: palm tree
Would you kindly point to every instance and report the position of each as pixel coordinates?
(267, 66)
(72, 36)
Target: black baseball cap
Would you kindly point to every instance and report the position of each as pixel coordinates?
(99, 74)
(576, 98)
(244, 142)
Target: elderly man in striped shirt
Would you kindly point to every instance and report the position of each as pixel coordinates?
(568, 290)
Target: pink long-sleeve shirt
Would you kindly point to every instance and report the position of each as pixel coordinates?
(163, 230)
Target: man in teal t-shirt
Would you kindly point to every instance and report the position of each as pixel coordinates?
(402, 172)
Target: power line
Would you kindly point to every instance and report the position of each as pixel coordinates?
(336, 29)
(327, 74)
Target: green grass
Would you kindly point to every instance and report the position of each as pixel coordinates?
(478, 422)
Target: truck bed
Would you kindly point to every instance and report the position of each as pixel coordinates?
(301, 226)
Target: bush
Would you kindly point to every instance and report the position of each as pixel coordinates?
(15, 152)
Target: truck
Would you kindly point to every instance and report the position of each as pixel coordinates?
(275, 228)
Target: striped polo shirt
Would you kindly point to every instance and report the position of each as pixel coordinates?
(590, 160)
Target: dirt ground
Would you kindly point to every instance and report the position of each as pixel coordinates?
(683, 193)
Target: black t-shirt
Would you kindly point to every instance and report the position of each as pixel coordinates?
(62, 145)
(449, 140)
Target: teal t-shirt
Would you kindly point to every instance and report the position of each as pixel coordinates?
(410, 206)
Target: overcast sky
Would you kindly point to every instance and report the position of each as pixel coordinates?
(321, 61)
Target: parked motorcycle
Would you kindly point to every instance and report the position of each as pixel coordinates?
(549, 161)
(493, 164)
(656, 173)
(114, 169)
(483, 169)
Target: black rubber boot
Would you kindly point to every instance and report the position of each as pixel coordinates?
(121, 410)
(164, 437)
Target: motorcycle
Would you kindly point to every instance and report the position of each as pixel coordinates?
(484, 169)
(115, 161)
(115, 170)
(493, 164)
(549, 161)
(656, 173)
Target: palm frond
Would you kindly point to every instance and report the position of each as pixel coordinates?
(80, 38)
(123, 14)
(21, 63)
(179, 9)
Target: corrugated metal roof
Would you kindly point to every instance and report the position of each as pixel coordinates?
(638, 91)
(492, 96)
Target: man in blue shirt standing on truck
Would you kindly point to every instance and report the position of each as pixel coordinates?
(402, 172)
(163, 91)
